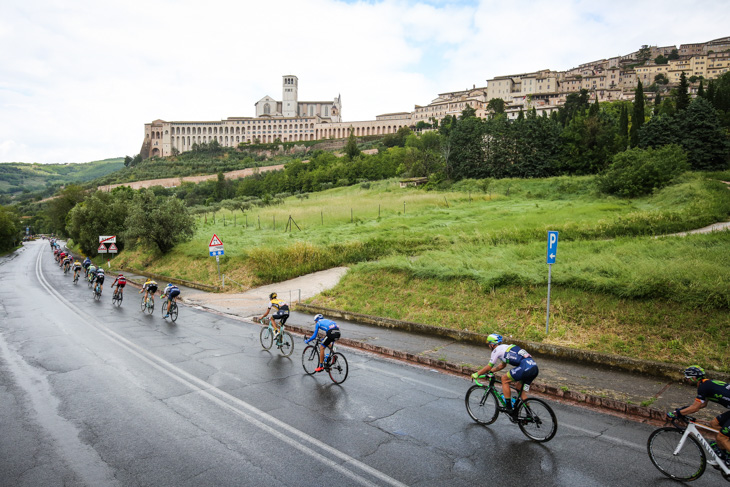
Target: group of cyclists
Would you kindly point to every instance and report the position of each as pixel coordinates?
(96, 276)
(524, 367)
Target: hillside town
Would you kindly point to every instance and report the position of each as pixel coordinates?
(290, 120)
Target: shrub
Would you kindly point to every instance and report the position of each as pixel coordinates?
(637, 172)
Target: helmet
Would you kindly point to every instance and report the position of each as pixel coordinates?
(272, 296)
(494, 339)
(121, 275)
(169, 284)
(694, 372)
(318, 317)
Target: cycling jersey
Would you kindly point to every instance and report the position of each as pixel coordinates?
(525, 368)
(279, 305)
(714, 391)
(171, 291)
(77, 265)
(120, 281)
(325, 326)
(150, 286)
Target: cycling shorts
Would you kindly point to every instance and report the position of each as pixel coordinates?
(100, 279)
(174, 294)
(724, 420)
(121, 284)
(152, 289)
(281, 316)
(525, 372)
(332, 336)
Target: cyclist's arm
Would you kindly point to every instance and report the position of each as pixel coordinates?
(694, 407)
(314, 335)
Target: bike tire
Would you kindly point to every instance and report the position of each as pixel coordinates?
(481, 404)
(286, 346)
(151, 307)
(310, 359)
(537, 420)
(173, 312)
(688, 464)
(163, 308)
(143, 305)
(266, 337)
(338, 368)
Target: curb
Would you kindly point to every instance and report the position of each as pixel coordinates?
(656, 369)
(191, 284)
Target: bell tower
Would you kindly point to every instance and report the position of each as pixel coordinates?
(290, 95)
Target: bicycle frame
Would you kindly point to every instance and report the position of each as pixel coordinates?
(500, 397)
(694, 429)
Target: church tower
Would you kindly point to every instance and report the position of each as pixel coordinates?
(289, 99)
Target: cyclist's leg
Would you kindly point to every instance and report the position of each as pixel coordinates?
(722, 423)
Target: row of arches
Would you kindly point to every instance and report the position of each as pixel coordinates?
(235, 130)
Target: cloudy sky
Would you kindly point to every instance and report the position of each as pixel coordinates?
(79, 78)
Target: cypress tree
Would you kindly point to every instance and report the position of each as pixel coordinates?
(701, 90)
(638, 117)
(657, 103)
(682, 93)
(623, 122)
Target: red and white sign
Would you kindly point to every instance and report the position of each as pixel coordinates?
(113, 249)
(215, 247)
(215, 241)
(107, 239)
(101, 249)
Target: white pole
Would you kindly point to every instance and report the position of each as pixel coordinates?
(547, 322)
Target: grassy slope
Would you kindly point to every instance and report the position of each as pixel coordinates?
(14, 177)
(477, 261)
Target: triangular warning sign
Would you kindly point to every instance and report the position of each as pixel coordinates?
(215, 241)
(102, 248)
(112, 247)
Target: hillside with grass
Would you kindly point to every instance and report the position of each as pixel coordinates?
(472, 257)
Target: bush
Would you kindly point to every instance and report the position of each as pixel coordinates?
(637, 172)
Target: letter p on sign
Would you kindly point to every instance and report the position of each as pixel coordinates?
(552, 248)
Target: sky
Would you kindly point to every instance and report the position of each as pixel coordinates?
(80, 78)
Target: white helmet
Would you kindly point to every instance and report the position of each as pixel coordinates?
(318, 317)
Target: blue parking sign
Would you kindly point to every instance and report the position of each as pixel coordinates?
(552, 248)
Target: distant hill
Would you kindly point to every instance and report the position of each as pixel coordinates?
(20, 177)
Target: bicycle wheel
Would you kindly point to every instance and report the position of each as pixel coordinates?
(687, 464)
(150, 306)
(310, 359)
(143, 305)
(481, 404)
(338, 368)
(286, 344)
(537, 420)
(173, 311)
(266, 337)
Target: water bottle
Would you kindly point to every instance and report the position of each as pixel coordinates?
(326, 357)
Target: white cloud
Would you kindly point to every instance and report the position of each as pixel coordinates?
(82, 77)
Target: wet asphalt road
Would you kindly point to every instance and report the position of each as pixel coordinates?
(95, 395)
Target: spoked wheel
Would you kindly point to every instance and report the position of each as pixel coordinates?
(686, 464)
(266, 337)
(481, 405)
(150, 306)
(286, 345)
(173, 312)
(537, 420)
(338, 368)
(143, 305)
(310, 359)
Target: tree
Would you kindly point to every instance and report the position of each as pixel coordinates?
(351, 147)
(701, 90)
(660, 59)
(673, 55)
(623, 126)
(59, 207)
(101, 213)
(637, 120)
(683, 93)
(575, 103)
(644, 54)
(657, 103)
(9, 229)
(637, 172)
(164, 222)
(397, 139)
(496, 105)
(661, 79)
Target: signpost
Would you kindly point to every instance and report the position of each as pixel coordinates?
(104, 239)
(552, 253)
(112, 249)
(215, 248)
(101, 249)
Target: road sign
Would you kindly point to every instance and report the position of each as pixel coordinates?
(552, 248)
(101, 249)
(215, 247)
(107, 239)
(113, 249)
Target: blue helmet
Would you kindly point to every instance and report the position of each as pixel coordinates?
(694, 372)
(494, 339)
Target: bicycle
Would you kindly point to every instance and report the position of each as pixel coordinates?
(97, 291)
(334, 362)
(535, 417)
(679, 453)
(76, 277)
(173, 309)
(148, 304)
(117, 297)
(283, 339)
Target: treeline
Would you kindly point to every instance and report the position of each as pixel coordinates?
(10, 228)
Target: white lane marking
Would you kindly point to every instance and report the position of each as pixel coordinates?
(232, 403)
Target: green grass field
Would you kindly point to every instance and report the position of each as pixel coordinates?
(470, 259)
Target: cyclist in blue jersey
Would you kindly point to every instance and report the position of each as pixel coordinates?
(524, 372)
(710, 391)
(170, 292)
(332, 332)
(86, 264)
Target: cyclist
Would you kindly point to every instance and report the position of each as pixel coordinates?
(149, 288)
(100, 278)
(86, 264)
(710, 391)
(120, 282)
(171, 291)
(332, 332)
(524, 372)
(91, 272)
(66, 263)
(77, 269)
(282, 311)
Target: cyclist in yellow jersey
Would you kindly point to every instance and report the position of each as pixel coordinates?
(282, 311)
(149, 288)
